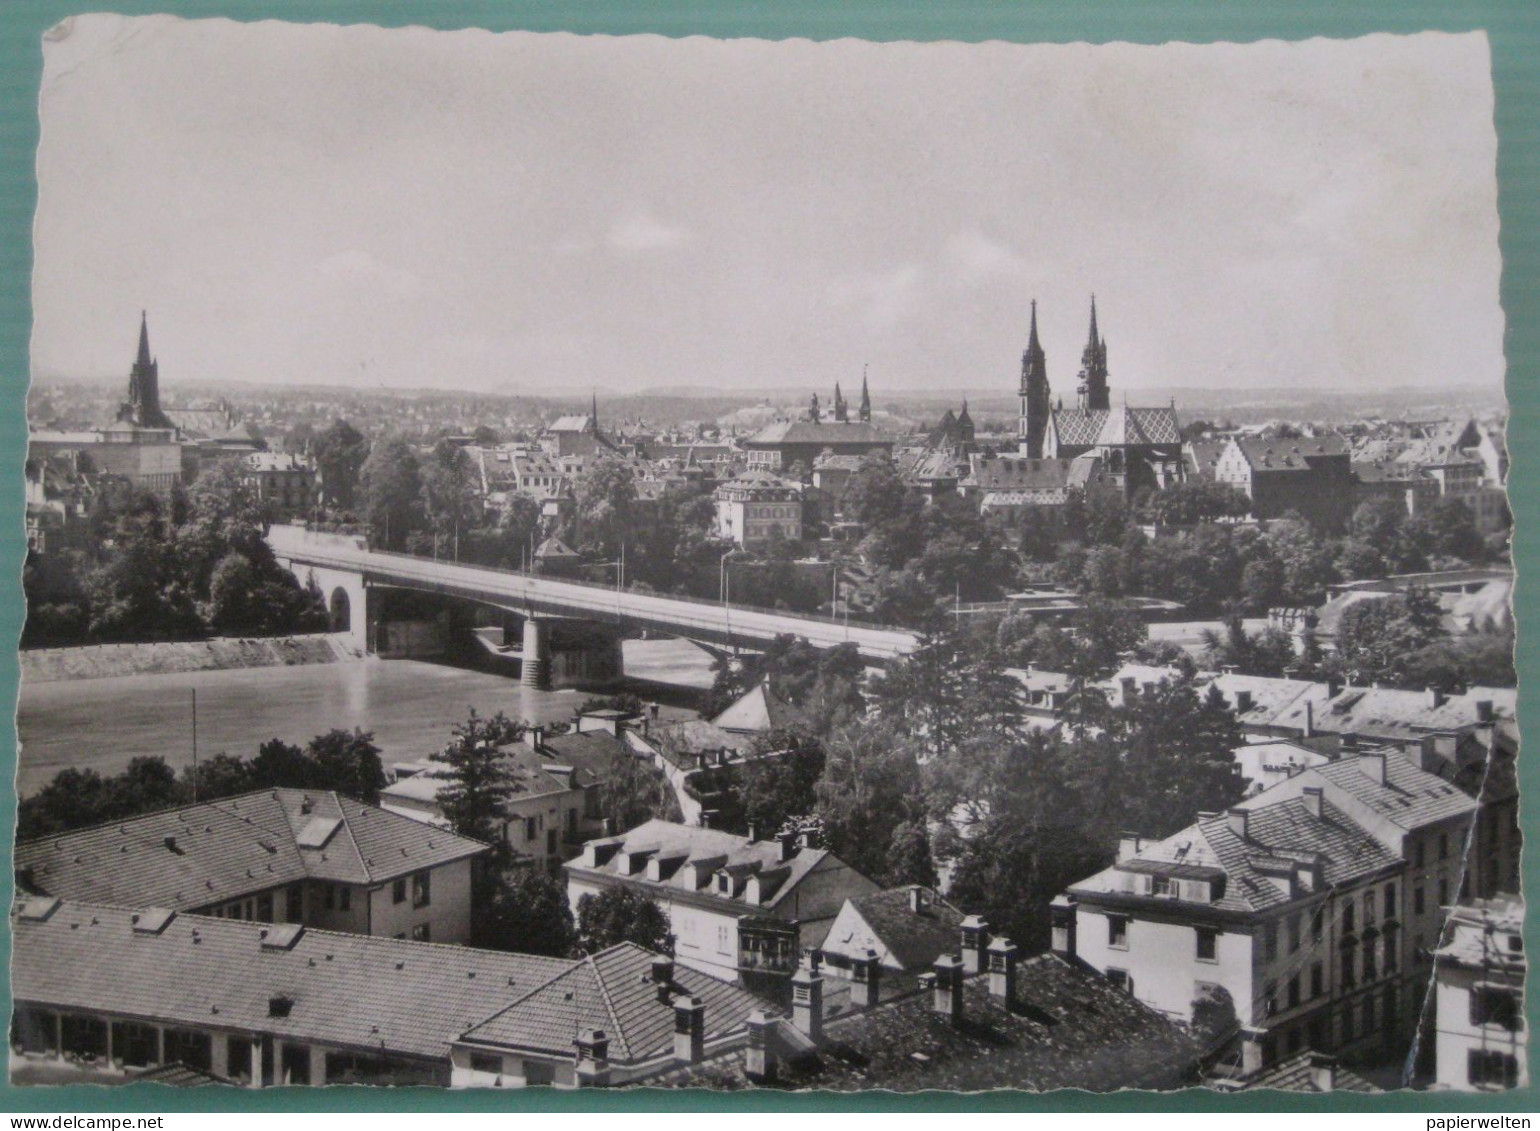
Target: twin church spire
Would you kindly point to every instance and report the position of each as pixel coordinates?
(1036, 407)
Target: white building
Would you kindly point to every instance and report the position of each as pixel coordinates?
(1483, 1039)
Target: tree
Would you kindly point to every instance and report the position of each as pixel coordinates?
(348, 762)
(392, 493)
(1453, 530)
(1192, 502)
(604, 504)
(479, 779)
(524, 910)
(871, 785)
(1377, 637)
(448, 497)
(339, 454)
(617, 915)
(1177, 751)
(223, 775)
(778, 779)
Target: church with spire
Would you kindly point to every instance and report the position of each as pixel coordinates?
(142, 408)
(1135, 447)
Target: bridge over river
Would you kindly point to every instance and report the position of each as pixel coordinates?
(345, 569)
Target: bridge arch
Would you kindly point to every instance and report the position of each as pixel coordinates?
(339, 611)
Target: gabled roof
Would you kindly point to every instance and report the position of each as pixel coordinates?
(612, 990)
(346, 990)
(1410, 797)
(914, 940)
(203, 854)
(1116, 427)
(1298, 1074)
(1290, 454)
(760, 709)
(1017, 473)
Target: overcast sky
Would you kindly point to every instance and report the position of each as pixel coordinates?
(524, 213)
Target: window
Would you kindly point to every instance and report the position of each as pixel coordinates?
(421, 933)
(1349, 964)
(1489, 1069)
(1349, 916)
(1120, 980)
(1443, 892)
(1348, 1012)
(1390, 901)
(1293, 991)
(531, 828)
(1163, 886)
(1295, 1040)
(1117, 931)
(1496, 1005)
(1420, 854)
(1208, 944)
(420, 893)
(1317, 980)
(265, 907)
(294, 903)
(345, 898)
(1318, 923)
(1417, 901)
(1368, 907)
(398, 890)
(486, 1063)
(1369, 974)
(1270, 999)
(1293, 933)
(1270, 941)
(1392, 959)
(329, 897)
(722, 941)
(1443, 846)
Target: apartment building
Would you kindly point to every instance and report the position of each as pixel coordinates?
(1483, 1037)
(1309, 909)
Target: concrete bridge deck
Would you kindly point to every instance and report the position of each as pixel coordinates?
(330, 556)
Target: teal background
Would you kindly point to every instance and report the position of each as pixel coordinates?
(1514, 29)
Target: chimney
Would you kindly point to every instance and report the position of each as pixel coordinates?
(975, 937)
(1371, 764)
(663, 978)
(753, 831)
(807, 1000)
(534, 737)
(689, 1029)
(866, 980)
(1061, 913)
(759, 1060)
(1333, 687)
(947, 996)
(1309, 718)
(171, 845)
(1427, 754)
(1436, 698)
(1312, 800)
(593, 1058)
(1002, 970)
(707, 818)
(1237, 820)
(1128, 684)
(1251, 1052)
(1485, 712)
(788, 839)
(916, 899)
(1323, 1071)
(1129, 845)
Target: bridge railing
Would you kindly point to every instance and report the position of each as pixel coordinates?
(704, 602)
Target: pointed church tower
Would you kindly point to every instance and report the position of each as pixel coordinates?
(143, 405)
(813, 412)
(840, 414)
(865, 412)
(1035, 405)
(593, 413)
(1094, 393)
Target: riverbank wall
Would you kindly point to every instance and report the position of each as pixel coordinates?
(99, 661)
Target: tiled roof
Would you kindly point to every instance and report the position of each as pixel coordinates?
(1480, 935)
(1041, 497)
(1297, 1074)
(179, 1075)
(201, 854)
(1014, 473)
(1411, 797)
(596, 754)
(1388, 712)
(1344, 849)
(1291, 454)
(1067, 1027)
(760, 709)
(807, 432)
(355, 991)
(734, 854)
(915, 940)
(1202, 455)
(614, 991)
(1120, 426)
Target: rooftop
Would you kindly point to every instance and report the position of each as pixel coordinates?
(202, 854)
(345, 990)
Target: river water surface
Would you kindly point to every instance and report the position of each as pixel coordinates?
(409, 705)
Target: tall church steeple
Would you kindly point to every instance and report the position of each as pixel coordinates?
(1094, 393)
(865, 412)
(143, 405)
(1035, 404)
(840, 414)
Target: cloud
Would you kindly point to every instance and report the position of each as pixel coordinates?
(642, 231)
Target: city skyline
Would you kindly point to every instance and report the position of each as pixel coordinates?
(746, 216)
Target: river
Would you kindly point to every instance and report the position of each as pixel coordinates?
(409, 705)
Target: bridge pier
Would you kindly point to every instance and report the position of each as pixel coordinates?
(535, 668)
